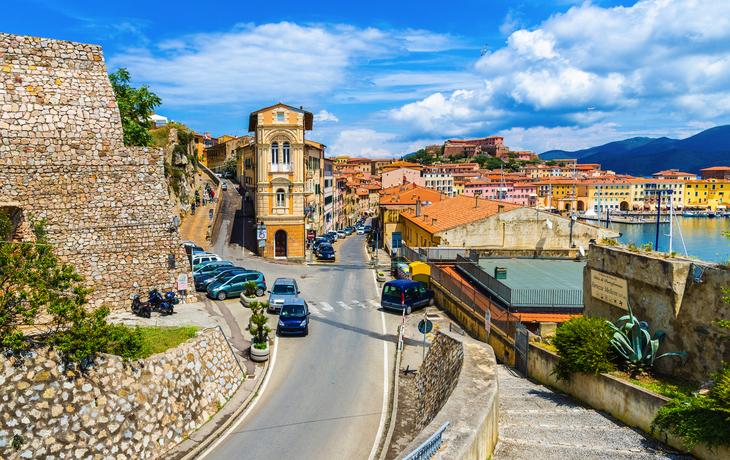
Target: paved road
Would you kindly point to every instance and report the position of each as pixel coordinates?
(325, 395)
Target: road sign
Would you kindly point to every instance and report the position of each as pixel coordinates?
(261, 232)
(262, 243)
(425, 326)
(310, 235)
(488, 320)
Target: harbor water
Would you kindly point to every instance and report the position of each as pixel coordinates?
(702, 236)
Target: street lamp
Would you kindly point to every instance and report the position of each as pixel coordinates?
(174, 224)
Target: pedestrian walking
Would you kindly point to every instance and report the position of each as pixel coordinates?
(212, 195)
(192, 208)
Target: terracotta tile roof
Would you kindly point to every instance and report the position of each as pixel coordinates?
(362, 191)
(401, 164)
(716, 168)
(453, 212)
(544, 317)
(390, 196)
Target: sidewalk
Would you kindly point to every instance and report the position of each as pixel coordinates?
(537, 422)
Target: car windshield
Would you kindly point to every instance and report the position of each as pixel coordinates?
(283, 289)
(292, 310)
(326, 247)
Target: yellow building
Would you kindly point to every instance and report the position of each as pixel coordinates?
(713, 194)
(273, 168)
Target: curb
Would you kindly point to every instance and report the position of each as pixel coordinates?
(197, 450)
(394, 404)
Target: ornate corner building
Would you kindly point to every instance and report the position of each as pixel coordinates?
(273, 168)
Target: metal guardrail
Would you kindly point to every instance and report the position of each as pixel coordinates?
(428, 448)
(436, 254)
(467, 294)
(501, 290)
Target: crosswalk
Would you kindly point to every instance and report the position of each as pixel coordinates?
(320, 309)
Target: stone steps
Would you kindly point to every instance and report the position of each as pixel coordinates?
(536, 422)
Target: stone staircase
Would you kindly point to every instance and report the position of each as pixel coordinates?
(537, 422)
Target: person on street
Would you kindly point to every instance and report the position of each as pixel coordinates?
(192, 208)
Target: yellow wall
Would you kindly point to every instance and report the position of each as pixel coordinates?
(710, 193)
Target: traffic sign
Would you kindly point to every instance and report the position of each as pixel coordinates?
(182, 282)
(261, 232)
(425, 326)
(310, 235)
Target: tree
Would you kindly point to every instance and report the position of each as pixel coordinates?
(229, 165)
(135, 108)
(34, 281)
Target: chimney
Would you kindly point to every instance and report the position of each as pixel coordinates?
(500, 208)
(433, 221)
(418, 207)
(442, 195)
(476, 196)
(425, 217)
(414, 196)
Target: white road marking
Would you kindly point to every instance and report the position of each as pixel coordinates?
(211, 448)
(386, 388)
(344, 305)
(315, 311)
(326, 306)
(374, 303)
(354, 301)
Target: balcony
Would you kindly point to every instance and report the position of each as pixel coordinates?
(280, 167)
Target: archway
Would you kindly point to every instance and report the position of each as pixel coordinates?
(624, 206)
(580, 205)
(280, 243)
(567, 206)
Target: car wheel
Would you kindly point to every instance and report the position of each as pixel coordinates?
(259, 292)
(222, 295)
(408, 310)
(306, 330)
(432, 302)
(278, 331)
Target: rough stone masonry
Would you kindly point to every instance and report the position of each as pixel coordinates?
(62, 158)
(114, 409)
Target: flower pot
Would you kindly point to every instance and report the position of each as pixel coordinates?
(246, 301)
(259, 356)
(381, 278)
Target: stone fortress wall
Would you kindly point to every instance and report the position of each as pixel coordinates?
(62, 158)
(114, 409)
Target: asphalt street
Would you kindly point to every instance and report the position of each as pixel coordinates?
(325, 395)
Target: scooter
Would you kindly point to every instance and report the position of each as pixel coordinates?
(158, 302)
(140, 308)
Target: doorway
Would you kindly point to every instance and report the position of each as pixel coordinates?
(280, 243)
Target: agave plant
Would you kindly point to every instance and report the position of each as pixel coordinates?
(632, 340)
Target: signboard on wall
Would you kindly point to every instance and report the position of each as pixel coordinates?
(610, 289)
(182, 282)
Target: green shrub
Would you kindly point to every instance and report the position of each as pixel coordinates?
(721, 389)
(584, 346)
(695, 421)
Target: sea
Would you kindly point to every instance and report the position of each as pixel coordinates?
(702, 236)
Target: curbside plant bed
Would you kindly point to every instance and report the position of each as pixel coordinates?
(632, 404)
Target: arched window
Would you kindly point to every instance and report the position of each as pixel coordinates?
(280, 199)
(274, 152)
(286, 159)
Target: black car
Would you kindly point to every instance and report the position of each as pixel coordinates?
(202, 281)
(326, 252)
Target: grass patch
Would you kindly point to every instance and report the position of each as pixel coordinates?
(159, 339)
(662, 384)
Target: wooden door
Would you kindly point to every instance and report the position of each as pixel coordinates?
(280, 244)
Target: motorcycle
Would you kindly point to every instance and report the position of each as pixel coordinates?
(140, 308)
(158, 302)
(171, 297)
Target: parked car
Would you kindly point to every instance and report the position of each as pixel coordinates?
(202, 281)
(317, 241)
(361, 230)
(348, 231)
(281, 290)
(326, 252)
(294, 317)
(224, 186)
(204, 257)
(197, 250)
(341, 234)
(333, 235)
(232, 284)
(207, 267)
(368, 229)
(219, 175)
(406, 294)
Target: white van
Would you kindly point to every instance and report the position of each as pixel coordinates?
(204, 257)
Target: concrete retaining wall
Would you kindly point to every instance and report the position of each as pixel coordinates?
(633, 405)
(663, 293)
(115, 409)
(472, 408)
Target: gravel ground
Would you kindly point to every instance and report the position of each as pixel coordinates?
(536, 422)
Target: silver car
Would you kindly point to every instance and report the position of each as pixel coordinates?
(281, 290)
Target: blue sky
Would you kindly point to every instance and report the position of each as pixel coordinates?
(386, 78)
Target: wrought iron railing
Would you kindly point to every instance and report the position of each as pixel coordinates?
(428, 448)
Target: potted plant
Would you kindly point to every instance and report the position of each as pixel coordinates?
(249, 295)
(381, 276)
(259, 332)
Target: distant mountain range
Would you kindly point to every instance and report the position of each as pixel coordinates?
(643, 156)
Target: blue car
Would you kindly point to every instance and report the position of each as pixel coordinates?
(294, 317)
(326, 252)
(406, 295)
